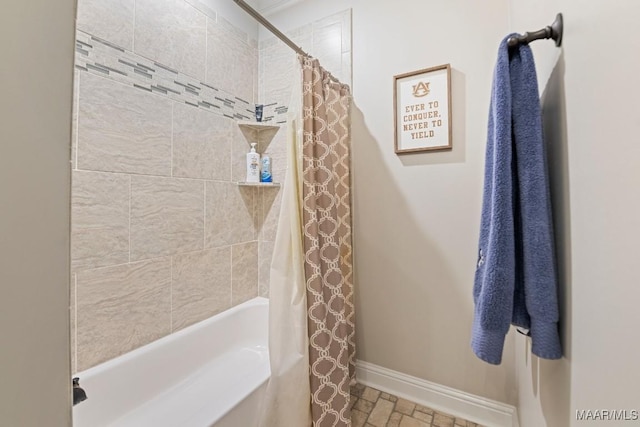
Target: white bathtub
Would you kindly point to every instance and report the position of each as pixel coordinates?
(213, 373)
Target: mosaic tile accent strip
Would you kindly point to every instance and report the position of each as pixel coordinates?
(275, 112)
(97, 56)
(374, 408)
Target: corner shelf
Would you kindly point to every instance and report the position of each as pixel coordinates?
(259, 132)
(262, 133)
(259, 126)
(258, 184)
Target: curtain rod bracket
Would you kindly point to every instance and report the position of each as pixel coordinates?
(553, 31)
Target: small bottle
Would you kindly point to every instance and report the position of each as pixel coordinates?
(253, 164)
(265, 174)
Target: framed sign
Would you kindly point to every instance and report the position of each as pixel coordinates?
(422, 108)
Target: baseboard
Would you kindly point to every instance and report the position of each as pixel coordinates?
(478, 409)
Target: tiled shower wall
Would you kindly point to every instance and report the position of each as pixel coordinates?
(328, 39)
(162, 237)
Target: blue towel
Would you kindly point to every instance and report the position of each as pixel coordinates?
(515, 281)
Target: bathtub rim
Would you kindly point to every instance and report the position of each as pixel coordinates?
(106, 365)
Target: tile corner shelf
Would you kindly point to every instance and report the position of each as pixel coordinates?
(259, 126)
(258, 184)
(264, 135)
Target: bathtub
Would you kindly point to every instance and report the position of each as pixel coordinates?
(213, 373)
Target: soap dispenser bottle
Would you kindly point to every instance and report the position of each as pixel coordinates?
(253, 164)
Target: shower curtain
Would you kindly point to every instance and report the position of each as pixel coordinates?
(311, 325)
(326, 196)
(287, 399)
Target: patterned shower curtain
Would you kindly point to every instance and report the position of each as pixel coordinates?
(326, 209)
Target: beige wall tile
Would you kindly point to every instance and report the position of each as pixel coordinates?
(271, 200)
(269, 42)
(327, 44)
(327, 39)
(244, 272)
(173, 33)
(201, 286)
(279, 170)
(230, 214)
(274, 141)
(111, 20)
(122, 129)
(346, 30)
(201, 144)
(74, 122)
(278, 72)
(232, 29)
(204, 8)
(255, 66)
(246, 70)
(167, 216)
(240, 145)
(270, 141)
(231, 62)
(261, 76)
(250, 135)
(220, 46)
(300, 34)
(265, 252)
(277, 150)
(121, 308)
(279, 66)
(99, 219)
(346, 74)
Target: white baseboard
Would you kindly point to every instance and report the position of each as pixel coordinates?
(478, 409)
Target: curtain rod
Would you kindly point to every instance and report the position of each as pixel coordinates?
(269, 26)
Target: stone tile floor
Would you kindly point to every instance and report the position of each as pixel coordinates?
(373, 408)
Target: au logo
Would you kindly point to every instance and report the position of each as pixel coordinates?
(421, 89)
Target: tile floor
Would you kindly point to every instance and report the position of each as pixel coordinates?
(373, 408)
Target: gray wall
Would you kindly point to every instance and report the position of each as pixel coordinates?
(590, 106)
(36, 74)
(416, 217)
